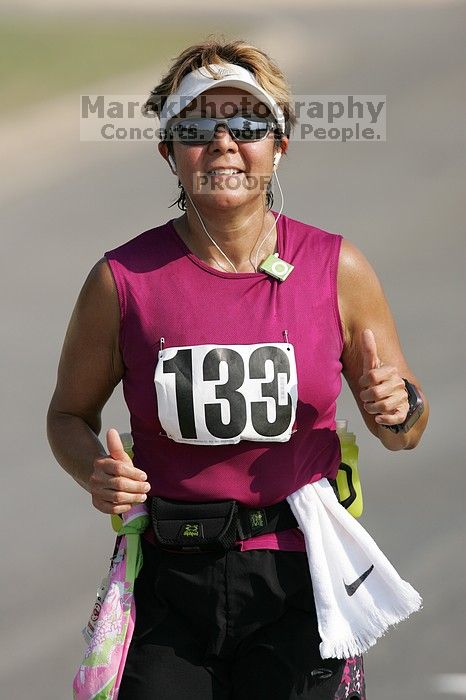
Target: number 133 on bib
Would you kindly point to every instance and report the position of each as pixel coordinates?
(217, 395)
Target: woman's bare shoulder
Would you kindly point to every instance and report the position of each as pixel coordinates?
(359, 287)
(101, 274)
(96, 316)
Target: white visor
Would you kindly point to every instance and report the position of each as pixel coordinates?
(199, 80)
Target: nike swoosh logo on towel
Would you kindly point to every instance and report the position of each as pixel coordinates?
(353, 587)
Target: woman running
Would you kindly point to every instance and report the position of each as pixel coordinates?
(230, 327)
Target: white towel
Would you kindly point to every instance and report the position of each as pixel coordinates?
(342, 554)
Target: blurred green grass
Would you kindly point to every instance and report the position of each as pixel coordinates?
(41, 59)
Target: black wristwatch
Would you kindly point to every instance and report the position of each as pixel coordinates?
(415, 411)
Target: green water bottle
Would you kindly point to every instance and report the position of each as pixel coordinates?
(347, 481)
(127, 441)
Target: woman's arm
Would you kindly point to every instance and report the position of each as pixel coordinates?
(89, 369)
(374, 365)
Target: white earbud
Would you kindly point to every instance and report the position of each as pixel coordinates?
(172, 164)
(276, 159)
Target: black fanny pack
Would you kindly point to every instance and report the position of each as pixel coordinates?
(197, 527)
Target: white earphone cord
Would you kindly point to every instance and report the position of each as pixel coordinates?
(265, 237)
(279, 214)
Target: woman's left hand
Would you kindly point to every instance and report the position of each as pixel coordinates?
(383, 390)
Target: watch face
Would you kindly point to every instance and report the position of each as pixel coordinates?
(415, 411)
(415, 415)
(416, 407)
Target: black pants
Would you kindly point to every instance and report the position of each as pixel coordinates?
(236, 626)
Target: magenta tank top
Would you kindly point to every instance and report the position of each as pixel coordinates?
(165, 291)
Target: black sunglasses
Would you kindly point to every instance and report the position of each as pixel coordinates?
(199, 130)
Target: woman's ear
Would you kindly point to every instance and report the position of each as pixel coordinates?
(281, 148)
(166, 155)
(163, 149)
(284, 142)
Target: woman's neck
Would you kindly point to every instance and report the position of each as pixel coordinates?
(239, 236)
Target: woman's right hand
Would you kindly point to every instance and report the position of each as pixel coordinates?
(115, 483)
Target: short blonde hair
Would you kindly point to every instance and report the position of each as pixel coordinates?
(241, 53)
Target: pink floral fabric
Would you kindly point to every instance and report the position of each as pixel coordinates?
(112, 621)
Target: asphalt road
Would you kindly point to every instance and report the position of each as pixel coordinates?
(401, 202)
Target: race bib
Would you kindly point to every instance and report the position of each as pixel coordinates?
(219, 395)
